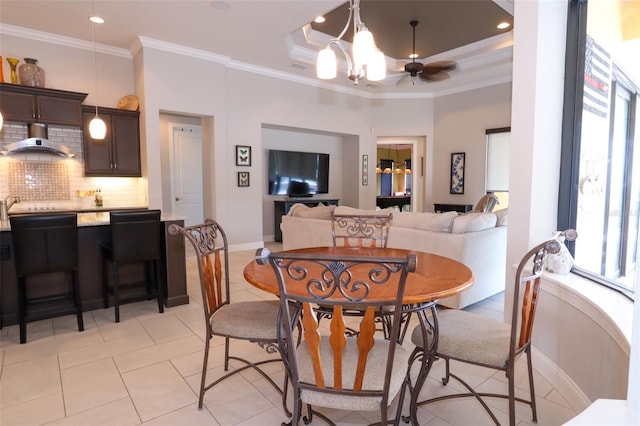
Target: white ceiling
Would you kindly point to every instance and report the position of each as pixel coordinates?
(269, 37)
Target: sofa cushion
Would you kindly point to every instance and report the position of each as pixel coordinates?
(439, 222)
(502, 216)
(360, 212)
(473, 222)
(318, 212)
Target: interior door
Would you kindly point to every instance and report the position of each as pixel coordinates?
(187, 173)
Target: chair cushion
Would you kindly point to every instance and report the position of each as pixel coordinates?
(470, 337)
(247, 320)
(373, 378)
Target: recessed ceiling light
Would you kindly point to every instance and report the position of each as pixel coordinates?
(319, 20)
(413, 56)
(96, 20)
(503, 25)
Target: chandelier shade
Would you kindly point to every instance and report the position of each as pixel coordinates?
(367, 61)
(326, 69)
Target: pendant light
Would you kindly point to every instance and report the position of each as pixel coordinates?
(97, 126)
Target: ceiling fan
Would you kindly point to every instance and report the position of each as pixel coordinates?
(433, 71)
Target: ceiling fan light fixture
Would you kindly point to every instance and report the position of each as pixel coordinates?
(366, 62)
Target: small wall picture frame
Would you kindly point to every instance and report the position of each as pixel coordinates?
(243, 155)
(365, 170)
(243, 179)
(457, 173)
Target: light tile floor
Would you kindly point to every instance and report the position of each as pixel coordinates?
(146, 370)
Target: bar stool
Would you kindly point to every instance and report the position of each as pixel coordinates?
(46, 244)
(135, 238)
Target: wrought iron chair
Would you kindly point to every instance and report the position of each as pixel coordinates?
(360, 230)
(254, 321)
(486, 204)
(349, 230)
(477, 340)
(336, 371)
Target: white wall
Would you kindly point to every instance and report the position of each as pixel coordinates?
(460, 122)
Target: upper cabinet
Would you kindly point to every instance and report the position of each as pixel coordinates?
(34, 104)
(119, 153)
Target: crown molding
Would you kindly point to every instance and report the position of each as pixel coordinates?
(178, 49)
(74, 43)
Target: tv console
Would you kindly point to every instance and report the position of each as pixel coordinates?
(282, 207)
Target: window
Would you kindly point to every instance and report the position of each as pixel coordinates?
(600, 176)
(497, 171)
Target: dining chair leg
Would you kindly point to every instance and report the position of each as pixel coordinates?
(532, 392)
(203, 377)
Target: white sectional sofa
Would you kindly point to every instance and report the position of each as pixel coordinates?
(478, 240)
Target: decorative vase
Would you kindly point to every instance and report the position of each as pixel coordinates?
(1, 71)
(31, 74)
(13, 63)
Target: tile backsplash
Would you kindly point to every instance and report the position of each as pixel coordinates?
(38, 181)
(46, 181)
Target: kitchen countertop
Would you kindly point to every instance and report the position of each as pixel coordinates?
(92, 218)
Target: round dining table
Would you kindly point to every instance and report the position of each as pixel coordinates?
(435, 277)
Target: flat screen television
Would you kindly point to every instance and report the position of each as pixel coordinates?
(298, 174)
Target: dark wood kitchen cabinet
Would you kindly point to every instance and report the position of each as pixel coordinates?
(36, 104)
(119, 153)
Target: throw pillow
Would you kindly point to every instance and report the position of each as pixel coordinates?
(319, 212)
(438, 222)
(502, 216)
(473, 222)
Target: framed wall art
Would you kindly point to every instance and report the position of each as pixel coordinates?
(243, 155)
(457, 173)
(365, 170)
(243, 178)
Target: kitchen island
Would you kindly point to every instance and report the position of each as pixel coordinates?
(93, 229)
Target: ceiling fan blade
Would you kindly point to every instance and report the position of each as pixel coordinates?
(438, 66)
(436, 76)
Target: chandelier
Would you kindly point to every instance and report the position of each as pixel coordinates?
(368, 61)
(400, 168)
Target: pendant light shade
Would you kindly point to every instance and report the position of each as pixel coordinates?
(363, 48)
(97, 128)
(326, 66)
(377, 67)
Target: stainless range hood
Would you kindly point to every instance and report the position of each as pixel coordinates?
(37, 145)
(37, 142)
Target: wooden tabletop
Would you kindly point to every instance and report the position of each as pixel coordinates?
(436, 277)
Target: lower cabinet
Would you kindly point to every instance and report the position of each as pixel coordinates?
(119, 153)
